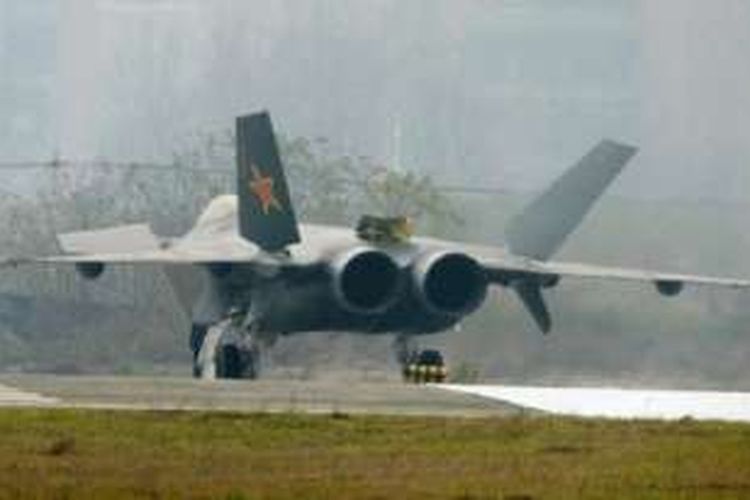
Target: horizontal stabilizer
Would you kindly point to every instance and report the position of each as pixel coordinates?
(543, 226)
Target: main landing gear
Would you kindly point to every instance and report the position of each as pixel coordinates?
(227, 349)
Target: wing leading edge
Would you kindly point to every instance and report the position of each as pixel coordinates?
(505, 273)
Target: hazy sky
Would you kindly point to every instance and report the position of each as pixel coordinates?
(505, 93)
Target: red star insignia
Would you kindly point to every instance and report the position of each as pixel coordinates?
(262, 187)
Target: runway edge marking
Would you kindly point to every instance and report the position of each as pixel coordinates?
(620, 403)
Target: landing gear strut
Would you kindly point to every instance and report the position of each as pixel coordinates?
(197, 337)
(404, 348)
(225, 350)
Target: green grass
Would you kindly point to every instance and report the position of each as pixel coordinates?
(108, 454)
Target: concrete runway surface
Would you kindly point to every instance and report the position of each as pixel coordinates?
(351, 395)
(317, 396)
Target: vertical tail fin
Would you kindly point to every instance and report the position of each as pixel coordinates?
(544, 225)
(266, 215)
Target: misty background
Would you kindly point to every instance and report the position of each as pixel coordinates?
(502, 94)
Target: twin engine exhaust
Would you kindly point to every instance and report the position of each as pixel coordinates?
(448, 283)
(369, 281)
(365, 280)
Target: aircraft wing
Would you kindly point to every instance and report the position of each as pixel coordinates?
(604, 272)
(137, 244)
(502, 272)
(528, 277)
(154, 257)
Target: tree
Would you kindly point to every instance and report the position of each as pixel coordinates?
(329, 187)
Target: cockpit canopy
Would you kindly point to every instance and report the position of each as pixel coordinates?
(378, 229)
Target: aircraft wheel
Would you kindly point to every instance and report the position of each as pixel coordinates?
(234, 362)
(424, 367)
(228, 362)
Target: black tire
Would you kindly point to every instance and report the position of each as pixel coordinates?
(228, 362)
(235, 363)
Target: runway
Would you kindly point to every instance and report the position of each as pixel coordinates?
(172, 393)
(352, 395)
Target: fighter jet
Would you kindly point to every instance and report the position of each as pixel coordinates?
(247, 272)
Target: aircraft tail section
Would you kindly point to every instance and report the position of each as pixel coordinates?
(541, 229)
(532, 299)
(266, 215)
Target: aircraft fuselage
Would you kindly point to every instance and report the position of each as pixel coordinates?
(355, 286)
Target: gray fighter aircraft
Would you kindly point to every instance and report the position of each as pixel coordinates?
(247, 272)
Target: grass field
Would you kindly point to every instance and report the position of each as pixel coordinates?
(108, 454)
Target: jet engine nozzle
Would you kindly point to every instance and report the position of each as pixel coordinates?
(365, 280)
(449, 283)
